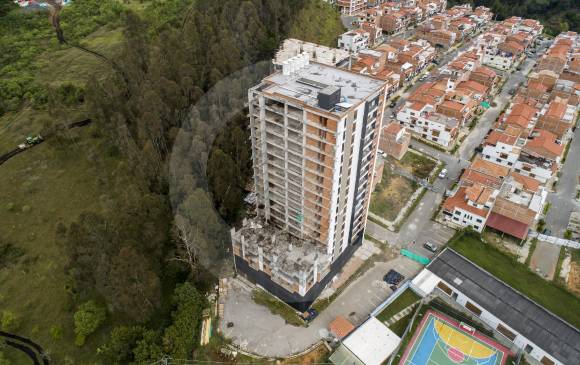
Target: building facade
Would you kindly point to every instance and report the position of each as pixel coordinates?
(314, 131)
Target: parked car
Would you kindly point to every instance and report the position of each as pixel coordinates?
(393, 277)
(309, 315)
(443, 174)
(431, 246)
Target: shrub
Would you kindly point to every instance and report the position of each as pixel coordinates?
(56, 332)
(88, 318)
(9, 321)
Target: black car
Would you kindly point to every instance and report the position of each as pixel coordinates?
(393, 277)
(392, 105)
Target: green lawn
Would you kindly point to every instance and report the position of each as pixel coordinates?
(553, 297)
(404, 300)
(400, 326)
(44, 186)
(391, 194)
(276, 306)
(419, 165)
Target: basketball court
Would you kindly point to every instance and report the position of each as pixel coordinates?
(442, 341)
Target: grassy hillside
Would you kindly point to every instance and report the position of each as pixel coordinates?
(79, 216)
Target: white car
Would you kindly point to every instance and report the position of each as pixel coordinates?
(443, 174)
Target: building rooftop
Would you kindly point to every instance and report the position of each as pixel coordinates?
(373, 342)
(304, 85)
(533, 321)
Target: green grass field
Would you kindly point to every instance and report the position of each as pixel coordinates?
(551, 296)
(419, 165)
(404, 300)
(42, 187)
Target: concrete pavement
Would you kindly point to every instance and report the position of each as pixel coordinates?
(545, 259)
(254, 329)
(563, 201)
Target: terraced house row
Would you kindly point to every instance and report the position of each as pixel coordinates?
(505, 44)
(506, 187)
(454, 25)
(438, 109)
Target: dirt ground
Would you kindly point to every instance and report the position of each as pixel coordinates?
(316, 356)
(391, 195)
(574, 278)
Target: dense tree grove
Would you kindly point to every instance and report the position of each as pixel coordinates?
(170, 110)
(556, 15)
(25, 35)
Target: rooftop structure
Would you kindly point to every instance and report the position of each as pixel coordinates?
(316, 53)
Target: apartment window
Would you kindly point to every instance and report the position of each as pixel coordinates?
(447, 290)
(473, 309)
(546, 361)
(528, 348)
(479, 220)
(510, 163)
(506, 332)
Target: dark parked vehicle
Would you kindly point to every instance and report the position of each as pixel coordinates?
(309, 315)
(393, 277)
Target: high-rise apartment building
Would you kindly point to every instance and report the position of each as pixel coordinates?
(314, 131)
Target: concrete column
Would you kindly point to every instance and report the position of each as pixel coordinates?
(260, 258)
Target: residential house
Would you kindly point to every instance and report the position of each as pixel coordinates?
(502, 148)
(354, 41)
(395, 140)
(351, 7)
(540, 157)
(485, 76)
(558, 117)
(471, 203)
(426, 122)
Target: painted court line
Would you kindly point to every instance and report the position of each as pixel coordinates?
(456, 346)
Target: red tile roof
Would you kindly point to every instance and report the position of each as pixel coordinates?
(543, 143)
(507, 225)
(497, 136)
(458, 201)
(341, 327)
(529, 184)
(392, 128)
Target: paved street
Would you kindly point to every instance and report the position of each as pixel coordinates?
(563, 201)
(545, 259)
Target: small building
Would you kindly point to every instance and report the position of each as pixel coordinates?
(341, 327)
(370, 344)
(354, 41)
(395, 140)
